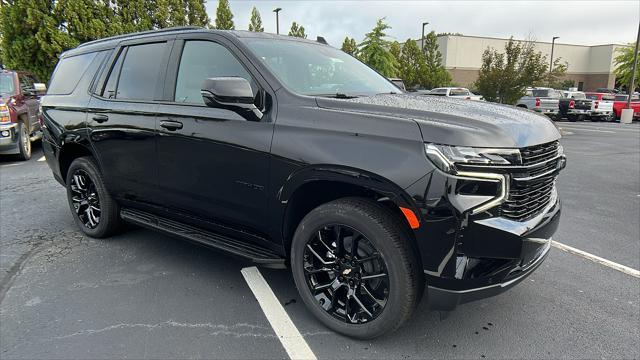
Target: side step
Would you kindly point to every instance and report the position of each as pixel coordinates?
(247, 250)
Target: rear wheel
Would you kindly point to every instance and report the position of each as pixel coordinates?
(354, 268)
(24, 142)
(572, 118)
(94, 210)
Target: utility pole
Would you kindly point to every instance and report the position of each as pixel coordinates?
(635, 67)
(422, 39)
(277, 10)
(553, 43)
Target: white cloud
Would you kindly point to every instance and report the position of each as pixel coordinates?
(576, 22)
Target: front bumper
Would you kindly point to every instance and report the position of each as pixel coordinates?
(9, 144)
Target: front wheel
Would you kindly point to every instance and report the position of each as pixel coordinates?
(355, 269)
(94, 210)
(24, 142)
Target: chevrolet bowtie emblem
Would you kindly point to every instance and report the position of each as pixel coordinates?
(346, 271)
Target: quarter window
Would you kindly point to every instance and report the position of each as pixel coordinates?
(68, 73)
(201, 60)
(138, 78)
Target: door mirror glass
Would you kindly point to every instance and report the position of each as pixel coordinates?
(231, 93)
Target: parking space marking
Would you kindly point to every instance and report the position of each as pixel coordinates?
(14, 164)
(594, 130)
(285, 329)
(624, 269)
(42, 158)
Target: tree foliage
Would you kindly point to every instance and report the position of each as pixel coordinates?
(624, 65)
(411, 64)
(297, 30)
(434, 74)
(350, 46)
(374, 52)
(224, 17)
(256, 21)
(35, 32)
(504, 77)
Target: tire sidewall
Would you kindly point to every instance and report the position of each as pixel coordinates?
(23, 130)
(390, 318)
(90, 168)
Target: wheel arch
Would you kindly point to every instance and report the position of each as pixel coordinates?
(311, 187)
(69, 152)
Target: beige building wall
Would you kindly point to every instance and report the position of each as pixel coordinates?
(590, 65)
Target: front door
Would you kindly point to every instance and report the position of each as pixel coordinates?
(213, 164)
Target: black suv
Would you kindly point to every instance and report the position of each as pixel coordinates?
(289, 152)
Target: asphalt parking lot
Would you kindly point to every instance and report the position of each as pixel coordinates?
(146, 295)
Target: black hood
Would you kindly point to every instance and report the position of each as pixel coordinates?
(457, 121)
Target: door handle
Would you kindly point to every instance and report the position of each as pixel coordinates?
(100, 118)
(171, 125)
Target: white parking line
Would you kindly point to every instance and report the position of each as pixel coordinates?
(14, 164)
(624, 269)
(285, 329)
(594, 130)
(42, 159)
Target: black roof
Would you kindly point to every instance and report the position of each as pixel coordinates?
(114, 40)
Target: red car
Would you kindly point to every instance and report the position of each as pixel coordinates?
(621, 103)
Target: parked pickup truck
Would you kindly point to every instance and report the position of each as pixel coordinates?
(19, 112)
(542, 100)
(602, 106)
(574, 105)
(621, 103)
(455, 92)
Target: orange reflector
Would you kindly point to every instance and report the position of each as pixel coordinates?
(411, 218)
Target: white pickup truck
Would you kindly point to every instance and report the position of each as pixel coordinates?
(455, 92)
(602, 106)
(543, 100)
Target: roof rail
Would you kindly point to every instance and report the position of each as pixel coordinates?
(158, 31)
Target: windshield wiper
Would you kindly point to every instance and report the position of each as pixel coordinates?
(338, 95)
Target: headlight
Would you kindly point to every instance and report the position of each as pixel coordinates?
(446, 157)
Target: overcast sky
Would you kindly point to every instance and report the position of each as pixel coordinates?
(576, 22)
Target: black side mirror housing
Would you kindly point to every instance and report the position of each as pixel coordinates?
(231, 93)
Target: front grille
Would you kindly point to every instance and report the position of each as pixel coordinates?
(531, 186)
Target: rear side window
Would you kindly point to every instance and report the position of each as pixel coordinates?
(6, 83)
(138, 77)
(459, 92)
(201, 60)
(68, 73)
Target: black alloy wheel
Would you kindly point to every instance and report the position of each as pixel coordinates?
(85, 199)
(355, 268)
(94, 210)
(346, 274)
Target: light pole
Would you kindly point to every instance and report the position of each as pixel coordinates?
(553, 43)
(277, 10)
(422, 39)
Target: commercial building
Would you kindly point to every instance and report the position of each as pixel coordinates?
(590, 67)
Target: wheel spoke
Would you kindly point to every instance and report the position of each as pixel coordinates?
(354, 243)
(324, 262)
(337, 230)
(361, 305)
(366, 291)
(369, 258)
(367, 277)
(316, 271)
(322, 287)
(322, 241)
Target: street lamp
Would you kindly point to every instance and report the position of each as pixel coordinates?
(422, 39)
(553, 43)
(277, 10)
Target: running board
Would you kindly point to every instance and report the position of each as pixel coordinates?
(246, 250)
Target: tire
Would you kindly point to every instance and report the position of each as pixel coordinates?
(85, 193)
(384, 241)
(572, 118)
(594, 118)
(24, 142)
(611, 117)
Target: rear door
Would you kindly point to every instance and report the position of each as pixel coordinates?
(213, 164)
(122, 118)
(30, 99)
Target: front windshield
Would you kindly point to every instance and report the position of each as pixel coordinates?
(321, 70)
(6, 84)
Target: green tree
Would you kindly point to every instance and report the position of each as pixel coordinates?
(197, 13)
(224, 17)
(256, 21)
(411, 64)
(396, 50)
(504, 77)
(624, 65)
(86, 20)
(297, 30)
(350, 46)
(434, 74)
(374, 52)
(32, 38)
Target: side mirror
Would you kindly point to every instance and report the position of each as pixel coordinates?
(40, 88)
(232, 93)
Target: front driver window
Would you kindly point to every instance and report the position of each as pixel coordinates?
(201, 60)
